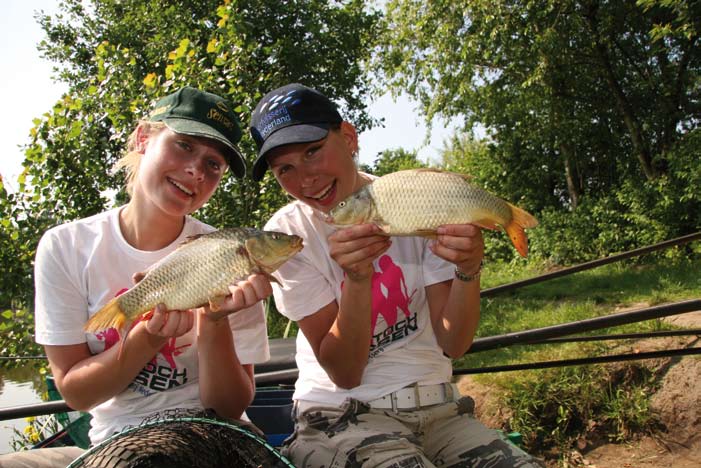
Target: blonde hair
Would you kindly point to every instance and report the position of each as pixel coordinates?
(131, 161)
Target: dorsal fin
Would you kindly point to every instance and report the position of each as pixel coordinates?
(433, 169)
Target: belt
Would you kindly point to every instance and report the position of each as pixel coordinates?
(417, 396)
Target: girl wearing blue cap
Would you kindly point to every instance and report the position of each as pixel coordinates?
(380, 318)
(176, 359)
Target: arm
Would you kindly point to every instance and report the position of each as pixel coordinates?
(455, 305)
(226, 385)
(86, 380)
(340, 334)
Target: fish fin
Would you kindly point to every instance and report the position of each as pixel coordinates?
(270, 277)
(486, 224)
(216, 302)
(123, 334)
(433, 169)
(427, 233)
(110, 316)
(191, 238)
(521, 220)
(522, 217)
(386, 229)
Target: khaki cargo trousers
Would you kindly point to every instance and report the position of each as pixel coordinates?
(443, 435)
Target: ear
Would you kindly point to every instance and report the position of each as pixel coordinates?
(350, 135)
(142, 136)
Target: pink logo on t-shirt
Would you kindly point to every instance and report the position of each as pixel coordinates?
(389, 292)
(169, 351)
(109, 336)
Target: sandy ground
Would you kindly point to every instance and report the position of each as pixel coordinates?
(677, 403)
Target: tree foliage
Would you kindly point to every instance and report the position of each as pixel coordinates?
(582, 100)
(119, 56)
(571, 81)
(394, 160)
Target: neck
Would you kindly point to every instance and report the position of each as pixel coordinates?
(145, 230)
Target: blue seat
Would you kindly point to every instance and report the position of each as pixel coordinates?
(271, 411)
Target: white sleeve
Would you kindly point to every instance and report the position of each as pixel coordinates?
(435, 269)
(250, 334)
(303, 288)
(60, 307)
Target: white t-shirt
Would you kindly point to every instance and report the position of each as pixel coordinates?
(403, 348)
(83, 264)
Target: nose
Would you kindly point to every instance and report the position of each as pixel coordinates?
(195, 168)
(307, 176)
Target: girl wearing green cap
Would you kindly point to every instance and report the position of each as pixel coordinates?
(176, 359)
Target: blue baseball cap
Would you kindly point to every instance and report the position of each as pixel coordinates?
(291, 114)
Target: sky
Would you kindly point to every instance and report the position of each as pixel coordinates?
(29, 91)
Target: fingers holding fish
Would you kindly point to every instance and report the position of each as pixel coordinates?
(250, 291)
(355, 248)
(169, 323)
(460, 244)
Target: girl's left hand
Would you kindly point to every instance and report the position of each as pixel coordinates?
(460, 244)
(244, 294)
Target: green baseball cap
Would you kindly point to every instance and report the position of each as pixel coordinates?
(193, 112)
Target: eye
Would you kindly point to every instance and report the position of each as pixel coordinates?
(214, 165)
(281, 170)
(184, 145)
(342, 204)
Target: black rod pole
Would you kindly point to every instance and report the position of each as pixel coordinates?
(612, 320)
(36, 409)
(589, 265)
(620, 336)
(580, 362)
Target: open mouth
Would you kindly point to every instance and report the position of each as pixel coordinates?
(181, 187)
(325, 196)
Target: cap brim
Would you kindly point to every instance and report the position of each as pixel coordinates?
(198, 129)
(302, 133)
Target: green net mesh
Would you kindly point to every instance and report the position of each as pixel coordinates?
(184, 439)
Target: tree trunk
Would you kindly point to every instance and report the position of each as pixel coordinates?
(636, 135)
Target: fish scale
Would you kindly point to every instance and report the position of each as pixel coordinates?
(416, 202)
(199, 272)
(428, 199)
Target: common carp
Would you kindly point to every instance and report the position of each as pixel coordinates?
(198, 272)
(415, 202)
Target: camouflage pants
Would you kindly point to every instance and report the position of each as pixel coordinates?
(445, 435)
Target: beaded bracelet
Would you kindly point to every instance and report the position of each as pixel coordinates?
(462, 276)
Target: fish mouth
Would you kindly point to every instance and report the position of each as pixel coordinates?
(181, 187)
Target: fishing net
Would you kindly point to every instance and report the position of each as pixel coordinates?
(184, 439)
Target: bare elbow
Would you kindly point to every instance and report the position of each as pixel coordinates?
(346, 383)
(79, 404)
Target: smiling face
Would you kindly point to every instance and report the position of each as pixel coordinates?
(178, 173)
(319, 173)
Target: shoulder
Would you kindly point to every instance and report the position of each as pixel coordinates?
(295, 214)
(81, 230)
(195, 226)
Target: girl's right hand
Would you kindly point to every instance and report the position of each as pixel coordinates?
(356, 247)
(170, 323)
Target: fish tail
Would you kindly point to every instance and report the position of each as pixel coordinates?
(123, 335)
(520, 220)
(110, 316)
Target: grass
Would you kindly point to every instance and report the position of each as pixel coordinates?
(552, 408)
